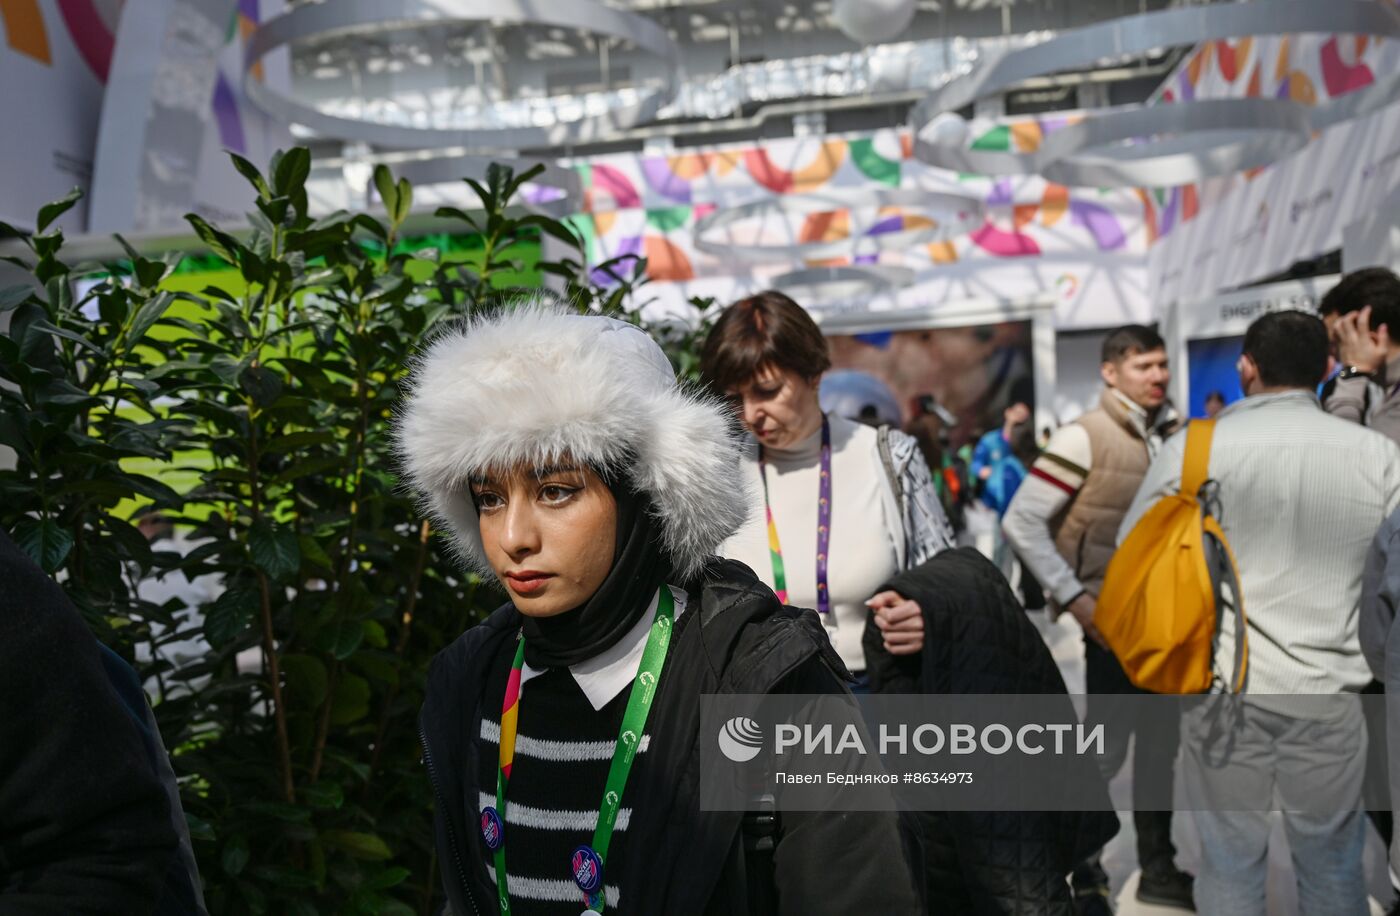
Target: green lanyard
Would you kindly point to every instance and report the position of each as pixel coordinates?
(586, 864)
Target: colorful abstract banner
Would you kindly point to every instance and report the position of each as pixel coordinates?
(1086, 248)
(1235, 230)
(54, 59)
(78, 87)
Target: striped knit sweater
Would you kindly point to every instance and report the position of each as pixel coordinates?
(563, 749)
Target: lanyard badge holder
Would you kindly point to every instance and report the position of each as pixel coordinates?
(586, 863)
(823, 527)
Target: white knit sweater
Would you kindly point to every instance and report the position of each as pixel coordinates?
(863, 538)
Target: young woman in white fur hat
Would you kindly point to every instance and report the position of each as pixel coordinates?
(571, 467)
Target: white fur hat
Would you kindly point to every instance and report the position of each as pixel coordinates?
(534, 384)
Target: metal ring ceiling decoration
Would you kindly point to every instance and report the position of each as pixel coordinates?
(371, 17)
(949, 216)
(859, 281)
(437, 170)
(1159, 145)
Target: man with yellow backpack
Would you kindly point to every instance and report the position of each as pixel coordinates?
(1294, 497)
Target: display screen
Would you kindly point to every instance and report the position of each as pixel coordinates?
(1211, 367)
(972, 372)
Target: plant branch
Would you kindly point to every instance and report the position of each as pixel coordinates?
(405, 629)
(269, 639)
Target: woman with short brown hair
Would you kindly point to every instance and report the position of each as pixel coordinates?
(845, 507)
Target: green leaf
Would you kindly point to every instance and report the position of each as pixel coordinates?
(374, 634)
(456, 213)
(229, 615)
(554, 228)
(384, 183)
(221, 243)
(371, 225)
(342, 639)
(290, 814)
(109, 488)
(132, 543)
(404, 202)
(12, 296)
(351, 701)
(275, 210)
(151, 311)
(282, 876)
(251, 266)
(150, 273)
(389, 877)
(235, 857)
(292, 171)
(274, 548)
(327, 795)
(113, 307)
(312, 553)
(359, 845)
(251, 173)
(52, 211)
(379, 666)
(44, 541)
(226, 368)
(153, 489)
(310, 466)
(261, 384)
(63, 393)
(306, 437)
(200, 829)
(306, 678)
(47, 328)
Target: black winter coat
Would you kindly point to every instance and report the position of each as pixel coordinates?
(85, 824)
(740, 641)
(977, 640)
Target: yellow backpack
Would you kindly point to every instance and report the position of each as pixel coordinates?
(1162, 603)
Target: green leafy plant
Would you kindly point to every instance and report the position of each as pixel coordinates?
(256, 415)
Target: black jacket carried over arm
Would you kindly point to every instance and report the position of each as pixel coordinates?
(736, 638)
(977, 640)
(85, 825)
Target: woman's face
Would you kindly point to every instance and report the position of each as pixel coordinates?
(778, 406)
(550, 534)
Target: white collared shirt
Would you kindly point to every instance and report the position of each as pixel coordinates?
(605, 675)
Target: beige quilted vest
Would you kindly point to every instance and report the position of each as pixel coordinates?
(1086, 530)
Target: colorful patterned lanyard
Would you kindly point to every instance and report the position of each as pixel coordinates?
(823, 526)
(586, 864)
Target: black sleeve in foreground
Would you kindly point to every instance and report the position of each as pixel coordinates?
(838, 862)
(84, 822)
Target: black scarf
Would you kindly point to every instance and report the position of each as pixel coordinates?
(638, 570)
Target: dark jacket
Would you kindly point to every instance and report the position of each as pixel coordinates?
(977, 640)
(85, 825)
(181, 894)
(740, 641)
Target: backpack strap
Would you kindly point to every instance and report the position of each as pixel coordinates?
(1196, 463)
(1220, 559)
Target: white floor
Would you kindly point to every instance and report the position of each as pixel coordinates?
(1120, 856)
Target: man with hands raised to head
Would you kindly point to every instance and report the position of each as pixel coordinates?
(1360, 313)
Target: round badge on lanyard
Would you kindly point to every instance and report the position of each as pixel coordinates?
(587, 868)
(492, 831)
